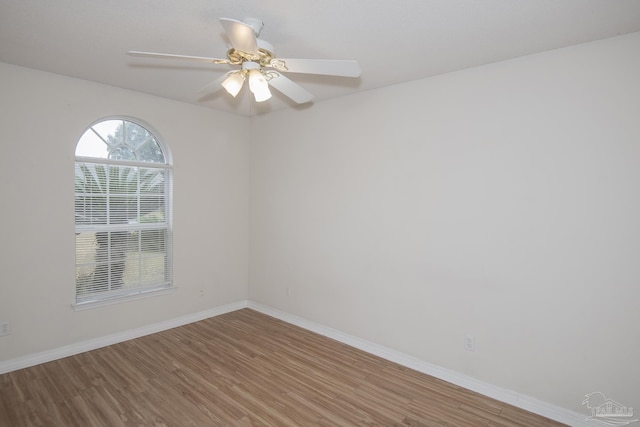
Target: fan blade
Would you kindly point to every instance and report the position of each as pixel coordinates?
(289, 88)
(182, 57)
(215, 85)
(326, 67)
(241, 35)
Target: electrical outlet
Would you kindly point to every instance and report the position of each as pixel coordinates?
(288, 291)
(469, 343)
(5, 328)
(201, 292)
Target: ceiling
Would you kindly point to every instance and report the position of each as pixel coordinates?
(394, 42)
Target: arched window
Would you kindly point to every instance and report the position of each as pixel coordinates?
(122, 213)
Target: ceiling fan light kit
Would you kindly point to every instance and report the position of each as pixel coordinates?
(260, 65)
(257, 81)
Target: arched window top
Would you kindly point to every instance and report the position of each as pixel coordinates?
(120, 139)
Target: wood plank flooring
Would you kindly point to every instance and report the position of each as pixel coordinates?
(240, 369)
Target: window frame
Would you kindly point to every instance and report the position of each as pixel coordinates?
(139, 291)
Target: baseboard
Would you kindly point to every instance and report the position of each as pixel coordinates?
(507, 396)
(92, 344)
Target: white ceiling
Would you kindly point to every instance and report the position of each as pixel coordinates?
(394, 41)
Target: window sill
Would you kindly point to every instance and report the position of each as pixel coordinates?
(86, 305)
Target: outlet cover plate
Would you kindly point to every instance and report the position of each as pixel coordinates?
(469, 343)
(5, 328)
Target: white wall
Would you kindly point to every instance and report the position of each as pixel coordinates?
(501, 201)
(41, 118)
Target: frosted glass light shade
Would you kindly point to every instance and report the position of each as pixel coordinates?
(233, 83)
(259, 86)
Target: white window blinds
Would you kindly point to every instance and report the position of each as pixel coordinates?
(122, 217)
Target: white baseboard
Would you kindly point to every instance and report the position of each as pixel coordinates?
(92, 344)
(507, 396)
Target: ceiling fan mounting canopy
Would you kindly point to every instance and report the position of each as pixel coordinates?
(256, 24)
(260, 65)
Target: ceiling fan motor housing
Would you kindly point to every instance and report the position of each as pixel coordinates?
(263, 56)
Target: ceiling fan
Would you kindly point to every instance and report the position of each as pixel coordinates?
(260, 66)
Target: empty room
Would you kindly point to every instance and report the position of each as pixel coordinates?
(240, 213)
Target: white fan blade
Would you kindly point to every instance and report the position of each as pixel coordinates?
(215, 85)
(241, 35)
(182, 57)
(326, 67)
(289, 88)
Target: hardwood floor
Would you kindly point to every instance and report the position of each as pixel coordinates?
(240, 369)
